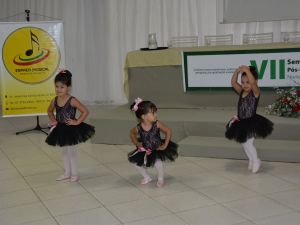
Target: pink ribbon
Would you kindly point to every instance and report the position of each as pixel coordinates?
(137, 102)
(142, 149)
(234, 119)
(147, 152)
(51, 129)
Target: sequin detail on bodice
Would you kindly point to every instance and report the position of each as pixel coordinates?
(247, 105)
(150, 139)
(65, 112)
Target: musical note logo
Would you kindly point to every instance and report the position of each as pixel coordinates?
(34, 54)
(30, 54)
(33, 39)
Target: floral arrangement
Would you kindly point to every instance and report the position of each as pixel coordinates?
(287, 104)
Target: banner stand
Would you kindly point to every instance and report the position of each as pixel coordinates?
(38, 128)
(34, 39)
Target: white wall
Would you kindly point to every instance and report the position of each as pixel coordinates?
(243, 11)
(99, 33)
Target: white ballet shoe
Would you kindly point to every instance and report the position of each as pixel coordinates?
(74, 179)
(62, 178)
(146, 180)
(250, 165)
(160, 183)
(256, 166)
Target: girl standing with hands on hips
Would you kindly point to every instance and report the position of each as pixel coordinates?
(248, 125)
(67, 131)
(150, 150)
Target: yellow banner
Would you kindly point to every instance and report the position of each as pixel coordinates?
(32, 53)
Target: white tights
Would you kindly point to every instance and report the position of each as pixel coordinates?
(250, 150)
(158, 166)
(69, 154)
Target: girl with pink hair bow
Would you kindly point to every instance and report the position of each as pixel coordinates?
(150, 150)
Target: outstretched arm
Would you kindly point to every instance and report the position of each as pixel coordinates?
(235, 85)
(83, 112)
(167, 131)
(252, 80)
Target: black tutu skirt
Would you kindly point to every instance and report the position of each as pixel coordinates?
(65, 135)
(256, 126)
(141, 158)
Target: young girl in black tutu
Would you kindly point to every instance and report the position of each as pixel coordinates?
(248, 125)
(67, 131)
(150, 150)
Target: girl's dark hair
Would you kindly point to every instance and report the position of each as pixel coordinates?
(253, 70)
(143, 108)
(65, 77)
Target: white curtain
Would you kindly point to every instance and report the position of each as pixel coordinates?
(99, 33)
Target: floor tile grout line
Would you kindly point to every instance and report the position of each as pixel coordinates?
(35, 193)
(75, 195)
(233, 181)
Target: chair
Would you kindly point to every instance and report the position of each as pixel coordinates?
(183, 41)
(261, 38)
(290, 36)
(226, 39)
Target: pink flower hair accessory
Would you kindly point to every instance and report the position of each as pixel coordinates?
(136, 105)
(61, 70)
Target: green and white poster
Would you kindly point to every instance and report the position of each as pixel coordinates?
(213, 69)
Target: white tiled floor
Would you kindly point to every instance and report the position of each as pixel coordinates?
(197, 191)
